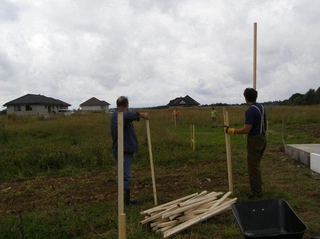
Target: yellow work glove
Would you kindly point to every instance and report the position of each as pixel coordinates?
(229, 130)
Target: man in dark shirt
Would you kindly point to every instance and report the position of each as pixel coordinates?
(130, 142)
(255, 127)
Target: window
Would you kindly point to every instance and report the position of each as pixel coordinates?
(28, 108)
(17, 108)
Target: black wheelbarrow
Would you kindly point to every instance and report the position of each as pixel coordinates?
(267, 219)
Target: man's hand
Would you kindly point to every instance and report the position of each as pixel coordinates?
(229, 130)
(144, 115)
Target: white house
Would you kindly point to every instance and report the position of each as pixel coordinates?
(94, 105)
(31, 104)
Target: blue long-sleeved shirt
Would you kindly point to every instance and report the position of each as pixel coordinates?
(130, 142)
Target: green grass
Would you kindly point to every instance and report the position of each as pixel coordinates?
(36, 149)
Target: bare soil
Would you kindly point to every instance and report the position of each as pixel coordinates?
(43, 193)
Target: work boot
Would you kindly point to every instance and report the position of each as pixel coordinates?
(127, 200)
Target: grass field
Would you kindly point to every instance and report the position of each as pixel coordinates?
(58, 178)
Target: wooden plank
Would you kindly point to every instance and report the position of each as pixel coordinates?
(218, 202)
(212, 195)
(157, 221)
(121, 214)
(228, 149)
(182, 209)
(198, 219)
(158, 215)
(169, 223)
(164, 229)
(151, 164)
(122, 226)
(163, 206)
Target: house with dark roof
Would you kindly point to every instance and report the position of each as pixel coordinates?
(186, 101)
(94, 105)
(32, 104)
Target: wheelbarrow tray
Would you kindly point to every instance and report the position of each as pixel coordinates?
(272, 218)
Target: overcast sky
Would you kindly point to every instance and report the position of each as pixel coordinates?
(156, 50)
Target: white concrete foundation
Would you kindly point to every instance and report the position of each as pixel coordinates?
(315, 162)
(302, 152)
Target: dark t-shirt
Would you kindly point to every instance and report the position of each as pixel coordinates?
(256, 116)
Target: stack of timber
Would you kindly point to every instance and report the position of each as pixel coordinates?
(178, 215)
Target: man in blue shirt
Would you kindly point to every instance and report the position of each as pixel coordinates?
(255, 127)
(130, 142)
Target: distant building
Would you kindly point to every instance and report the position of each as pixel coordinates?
(94, 105)
(31, 104)
(186, 101)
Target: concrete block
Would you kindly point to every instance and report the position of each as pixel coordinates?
(315, 162)
(299, 155)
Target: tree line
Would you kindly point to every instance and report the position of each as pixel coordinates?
(311, 97)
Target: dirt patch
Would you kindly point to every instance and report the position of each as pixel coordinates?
(44, 193)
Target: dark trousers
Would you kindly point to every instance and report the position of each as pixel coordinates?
(127, 161)
(256, 144)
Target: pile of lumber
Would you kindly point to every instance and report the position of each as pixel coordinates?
(176, 216)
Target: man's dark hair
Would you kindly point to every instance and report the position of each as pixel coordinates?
(250, 94)
(122, 101)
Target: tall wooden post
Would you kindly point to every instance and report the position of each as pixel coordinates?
(255, 55)
(121, 214)
(151, 165)
(228, 149)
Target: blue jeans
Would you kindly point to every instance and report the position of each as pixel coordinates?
(127, 161)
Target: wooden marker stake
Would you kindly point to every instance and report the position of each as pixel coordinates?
(122, 226)
(192, 137)
(228, 149)
(121, 214)
(151, 165)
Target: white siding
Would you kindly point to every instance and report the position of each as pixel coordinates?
(95, 108)
(36, 110)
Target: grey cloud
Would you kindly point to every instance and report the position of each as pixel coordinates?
(159, 50)
(8, 11)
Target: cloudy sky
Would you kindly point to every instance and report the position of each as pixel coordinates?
(156, 50)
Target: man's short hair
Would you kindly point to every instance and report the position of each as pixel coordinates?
(250, 94)
(122, 101)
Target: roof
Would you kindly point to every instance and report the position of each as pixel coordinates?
(94, 102)
(183, 101)
(32, 99)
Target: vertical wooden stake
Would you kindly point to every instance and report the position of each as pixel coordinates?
(194, 139)
(255, 55)
(122, 226)
(121, 214)
(151, 164)
(228, 149)
(191, 136)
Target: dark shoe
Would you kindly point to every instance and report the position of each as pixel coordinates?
(127, 200)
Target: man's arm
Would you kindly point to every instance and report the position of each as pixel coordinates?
(245, 130)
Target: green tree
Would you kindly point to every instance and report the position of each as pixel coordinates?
(308, 97)
(316, 97)
(296, 99)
